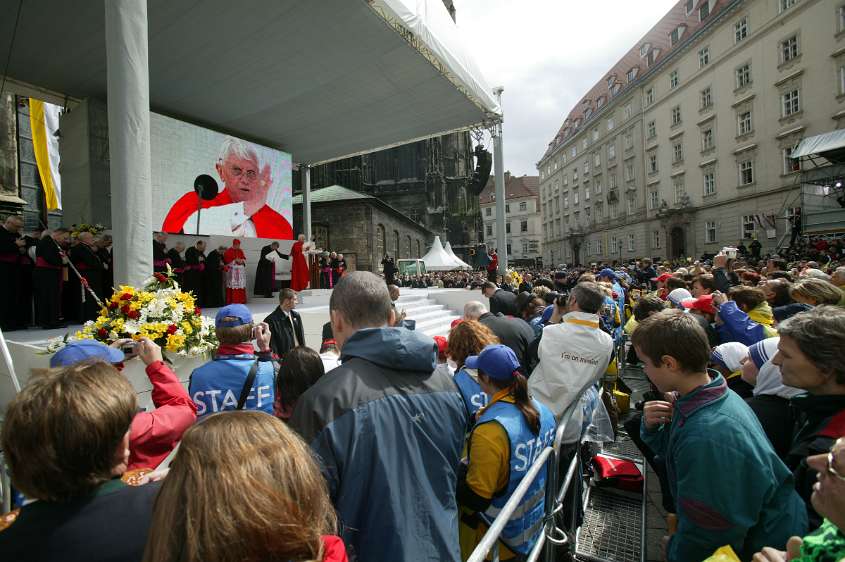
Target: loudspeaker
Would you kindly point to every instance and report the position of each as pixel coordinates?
(483, 164)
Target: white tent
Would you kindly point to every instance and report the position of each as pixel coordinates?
(438, 260)
(448, 249)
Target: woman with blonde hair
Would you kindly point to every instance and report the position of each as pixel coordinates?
(815, 292)
(243, 487)
(466, 339)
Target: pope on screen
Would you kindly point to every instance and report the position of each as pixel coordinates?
(243, 200)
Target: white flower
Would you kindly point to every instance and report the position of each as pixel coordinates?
(131, 327)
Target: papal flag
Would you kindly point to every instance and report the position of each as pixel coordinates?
(44, 120)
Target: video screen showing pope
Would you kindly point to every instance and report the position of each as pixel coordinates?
(212, 184)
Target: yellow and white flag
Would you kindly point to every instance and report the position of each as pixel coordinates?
(44, 120)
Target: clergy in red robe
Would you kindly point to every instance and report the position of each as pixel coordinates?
(299, 275)
(245, 181)
(235, 261)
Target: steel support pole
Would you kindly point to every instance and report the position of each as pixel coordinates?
(306, 202)
(499, 170)
(128, 90)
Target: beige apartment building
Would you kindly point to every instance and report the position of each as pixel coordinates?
(683, 147)
(522, 215)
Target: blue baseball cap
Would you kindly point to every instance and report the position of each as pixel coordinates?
(607, 272)
(497, 361)
(239, 312)
(81, 350)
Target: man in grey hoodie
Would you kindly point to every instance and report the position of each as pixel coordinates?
(389, 429)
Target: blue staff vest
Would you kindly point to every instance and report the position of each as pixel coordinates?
(216, 386)
(524, 527)
(473, 396)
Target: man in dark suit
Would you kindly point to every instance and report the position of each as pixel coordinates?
(285, 325)
(515, 333)
(265, 273)
(500, 300)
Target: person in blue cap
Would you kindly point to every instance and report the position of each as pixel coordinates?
(153, 434)
(511, 431)
(224, 382)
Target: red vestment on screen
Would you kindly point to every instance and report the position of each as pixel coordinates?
(268, 223)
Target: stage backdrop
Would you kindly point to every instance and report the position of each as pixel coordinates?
(254, 183)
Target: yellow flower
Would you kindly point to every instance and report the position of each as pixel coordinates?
(187, 328)
(175, 342)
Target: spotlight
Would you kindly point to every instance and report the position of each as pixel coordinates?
(838, 184)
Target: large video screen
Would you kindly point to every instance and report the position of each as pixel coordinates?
(205, 182)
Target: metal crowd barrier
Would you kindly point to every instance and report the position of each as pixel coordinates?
(552, 535)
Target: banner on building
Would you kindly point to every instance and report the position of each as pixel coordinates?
(44, 123)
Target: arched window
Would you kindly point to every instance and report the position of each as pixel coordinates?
(396, 244)
(408, 247)
(379, 243)
(419, 249)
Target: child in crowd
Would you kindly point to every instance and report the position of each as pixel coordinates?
(710, 428)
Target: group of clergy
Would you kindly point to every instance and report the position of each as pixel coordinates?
(200, 273)
(51, 278)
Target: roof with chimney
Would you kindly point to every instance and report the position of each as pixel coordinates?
(516, 187)
(670, 34)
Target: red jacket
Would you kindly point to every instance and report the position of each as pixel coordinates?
(268, 223)
(333, 549)
(153, 435)
(494, 263)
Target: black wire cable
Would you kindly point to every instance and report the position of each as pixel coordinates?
(11, 46)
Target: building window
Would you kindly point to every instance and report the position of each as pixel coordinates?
(743, 75)
(791, 103)
(703, 57)
(677, 153)
(653, 200)
(652, 129)
(614, 244)
(748, 227)
(584, 143)
(631, 205)
(380, 251)
(629, 172)
(649, 97)
(680, 190)
(789, 49)
(599, 211)
(744, 124)
(746, 172)
(523, 226)
(704, 10)
(629, 138)
(741, 29)
(574, 174)
(790, 164)
(396, 243)
(655, 239)
(488, 211)
(706, 98)
(632, 74)
(507, 227)
(595, 135)
(673, 79)
(710, 232)
(574, 151)
(707, 139)
(597, 159)
(676, 115)
(840, 23)
(586, 169)
(841, 80)
(626, 111)
(523, 205)
(611, 152)
(786, 4)
(709, 183)
(575, 197)
(597, 187)
(631, 241)
(566, 200)
(611, 181)
(588, 211)
(510, 251)
(587, 192)
(610, 124)
(614, 209)
(652, 163)
(507, 208)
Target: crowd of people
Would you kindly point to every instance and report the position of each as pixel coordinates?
(387, 444)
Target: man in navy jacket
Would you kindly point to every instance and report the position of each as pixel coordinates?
(389, 430)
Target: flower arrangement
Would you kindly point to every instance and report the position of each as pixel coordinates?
(95, 229)
(160, 311)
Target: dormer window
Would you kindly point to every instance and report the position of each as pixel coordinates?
(632, 74)
(610, 81)
(600, 101)
(588, 113)
(690, 6)
(676, 34)
(644, 49)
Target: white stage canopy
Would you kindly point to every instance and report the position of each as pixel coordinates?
(320, 79)
(451, 253)
(438, 260)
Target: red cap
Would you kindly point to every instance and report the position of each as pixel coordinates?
(704, 303)
(455, 322)
(662, 277)
(442, 345)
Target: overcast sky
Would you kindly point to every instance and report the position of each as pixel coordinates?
(547, 54)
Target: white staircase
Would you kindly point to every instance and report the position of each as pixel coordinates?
(432, 319)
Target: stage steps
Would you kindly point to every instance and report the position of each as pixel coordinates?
(432, 319)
